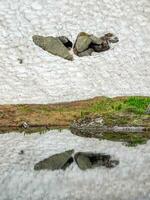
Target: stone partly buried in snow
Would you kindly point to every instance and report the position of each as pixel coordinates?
(55, 45)
(88, 160)
(55, 162)
(86, 44)
(82, 42)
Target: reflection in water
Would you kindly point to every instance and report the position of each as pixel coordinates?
(18, 179)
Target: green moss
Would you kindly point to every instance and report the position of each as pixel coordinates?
(129, 110)
(137, 105)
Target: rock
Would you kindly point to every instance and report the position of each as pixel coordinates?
(96, 47)
(95, 40)
(87, 52)
(110, 37)
(55, 162)
(88, 160)
(20, 60)
(114, 40)
(68, 44)
(52, 45)
(82, 42)
(84, 45)
(25, 125)
(104, 42)
(21, 152)
(89, 121)
(104, 46)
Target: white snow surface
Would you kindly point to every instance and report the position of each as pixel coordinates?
(130, 180)
(44, 78)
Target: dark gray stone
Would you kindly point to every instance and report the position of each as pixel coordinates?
(110, 37)
(87, 52)
(96, 47)
(99, 48)
(52, 45)
(55, 162)
(88, 160)
(20, 60)
(21, 152)
(114, 40)
(68, 44)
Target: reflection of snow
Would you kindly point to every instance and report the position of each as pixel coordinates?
(130, 180)
(43, 78)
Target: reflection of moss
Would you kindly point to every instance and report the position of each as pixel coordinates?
(134, 143)
(30, 130)
(130, 139)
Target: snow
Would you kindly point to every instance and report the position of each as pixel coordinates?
(130, 180)
(43, 78)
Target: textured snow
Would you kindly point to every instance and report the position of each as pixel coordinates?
(130, 180)
(43, 78)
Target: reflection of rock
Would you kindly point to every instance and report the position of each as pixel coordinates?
(52, 45)
(65, 41)
(84, 160)
(88, 160)
(55, 162)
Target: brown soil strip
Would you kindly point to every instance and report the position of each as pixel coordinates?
(62, 114)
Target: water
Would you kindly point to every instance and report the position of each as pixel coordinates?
(18, 181)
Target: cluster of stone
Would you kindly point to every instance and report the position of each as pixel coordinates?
(84, 160)
(85, 44)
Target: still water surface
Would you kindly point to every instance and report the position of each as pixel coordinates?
(130, 180)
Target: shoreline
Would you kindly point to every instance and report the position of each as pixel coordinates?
(117, 111)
